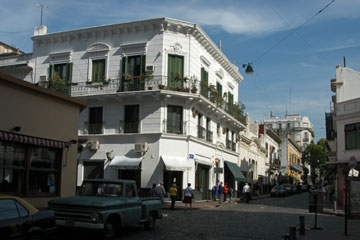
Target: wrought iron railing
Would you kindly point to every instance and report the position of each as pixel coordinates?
(94, 128)
(129, 127)
(209, 136)
(201, 132)
(179, 128)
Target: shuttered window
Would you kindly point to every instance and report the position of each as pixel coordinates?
(98, 70)
(352, 136)
(204, 82)
(175, 70)
(63, 70)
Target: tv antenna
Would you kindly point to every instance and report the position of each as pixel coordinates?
(42, 6)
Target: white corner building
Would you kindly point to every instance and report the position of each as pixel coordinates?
(162, 102)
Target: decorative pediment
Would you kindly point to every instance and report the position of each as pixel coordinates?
(175, 48)
(134, 48)
(205, 61)
(60, 57)
(220, 73)
(98, 47)
(230, 85)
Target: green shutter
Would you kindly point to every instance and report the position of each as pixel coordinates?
(143, 63)
(50, 70)
(94, 71)
(69, 72)
(170, 66)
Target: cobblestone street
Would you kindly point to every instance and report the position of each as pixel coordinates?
(267, 218)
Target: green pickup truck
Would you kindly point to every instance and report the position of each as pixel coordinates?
(106, 205)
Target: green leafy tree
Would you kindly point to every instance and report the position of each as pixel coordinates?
(315, 155)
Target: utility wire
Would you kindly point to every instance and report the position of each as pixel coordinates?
(294, 31)
(297, 33)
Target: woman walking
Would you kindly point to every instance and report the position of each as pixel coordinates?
(173, 195)
(188, 196)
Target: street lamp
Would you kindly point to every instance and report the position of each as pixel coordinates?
(248, 68)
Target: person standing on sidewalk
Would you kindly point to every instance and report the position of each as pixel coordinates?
(246, 192)
(188, 196)
(173, 195)
(161, 192)
(231, 190)
(226, 192)
(221, 193)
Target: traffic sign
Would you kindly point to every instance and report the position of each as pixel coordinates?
(353, 172)
(352, 162)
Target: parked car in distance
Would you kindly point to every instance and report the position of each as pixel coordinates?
(20, 220)
(106, 205)
(304, 187)
(288, 188)
(294, 189)
(278, 191)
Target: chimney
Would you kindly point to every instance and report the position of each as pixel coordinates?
(40, 30)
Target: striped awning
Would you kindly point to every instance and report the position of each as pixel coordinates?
(43, 142)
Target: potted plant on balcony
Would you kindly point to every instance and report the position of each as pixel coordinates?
(193, 81)
(161, 86)
(148, 76)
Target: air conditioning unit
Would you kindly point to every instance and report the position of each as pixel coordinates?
(93, 145)
(42, 81)
(150, 68)
(141, 147)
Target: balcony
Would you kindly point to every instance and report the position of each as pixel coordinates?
(172, 128)
(296, 167)
(305, 140)
(129, 127)
(201, 132)
(94, 128)
(209, 136)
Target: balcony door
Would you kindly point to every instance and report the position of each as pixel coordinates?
(175, 71)
(95, 120)
(131, 119)
(174, 119)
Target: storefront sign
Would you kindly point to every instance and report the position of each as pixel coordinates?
(191, 156)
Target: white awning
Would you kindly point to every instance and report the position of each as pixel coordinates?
(123, 162)
(176, 163)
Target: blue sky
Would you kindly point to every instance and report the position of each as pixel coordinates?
(294, 76)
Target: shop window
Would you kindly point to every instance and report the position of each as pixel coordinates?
(29, 170)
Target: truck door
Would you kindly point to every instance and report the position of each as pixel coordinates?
(133, 205)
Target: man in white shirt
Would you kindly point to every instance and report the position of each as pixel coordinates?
(246, 192)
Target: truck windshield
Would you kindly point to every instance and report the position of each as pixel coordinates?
(101, 189)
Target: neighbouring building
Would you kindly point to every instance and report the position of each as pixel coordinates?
(162, 102)
(300, 127)
(343, 135)
(16, 63)
(272, 145)
(252, 155)
(38, 141)
(291, 168)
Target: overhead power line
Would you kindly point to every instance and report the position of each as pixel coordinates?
(293, 31)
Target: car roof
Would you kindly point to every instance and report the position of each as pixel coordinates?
(32, 210)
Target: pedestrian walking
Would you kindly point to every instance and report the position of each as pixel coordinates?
(231, 191)
(246, 192)
(173, 195)
(221, 193)
(226, 192)
(153, 192)
(160, 190)
(188, 196)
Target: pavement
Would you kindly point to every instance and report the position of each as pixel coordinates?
(206, 204)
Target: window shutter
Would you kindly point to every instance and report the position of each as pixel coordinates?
(69, 72)
(143, 63)
(50, 70)
(94, 71)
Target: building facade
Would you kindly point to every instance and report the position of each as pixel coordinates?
(252, 155)
(162, 101)
(300, 127)
(343, 132)
(38, 136)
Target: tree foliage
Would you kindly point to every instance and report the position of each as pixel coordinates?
(315, 154)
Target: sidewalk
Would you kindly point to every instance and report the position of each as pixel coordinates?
(203, 204)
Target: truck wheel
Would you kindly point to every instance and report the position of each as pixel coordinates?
(110, 228)
(150, 224)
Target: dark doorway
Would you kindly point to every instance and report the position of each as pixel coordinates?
(229, 177)
(131, 120)
(171, 177)
(202, 181)
(131, 175)
(93, 170)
